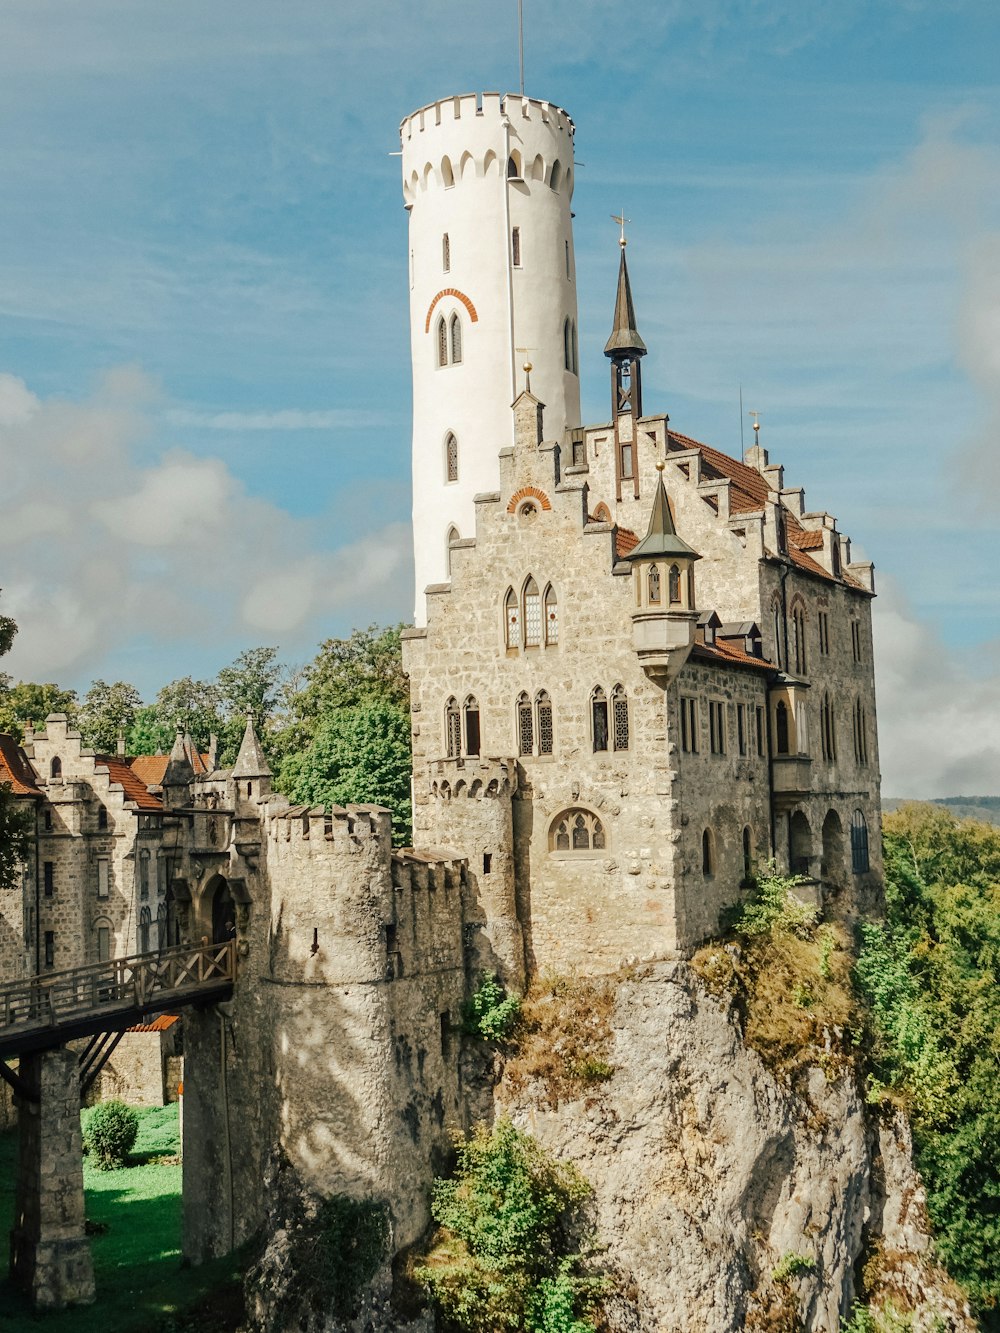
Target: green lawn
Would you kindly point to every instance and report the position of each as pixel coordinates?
(137, 1263)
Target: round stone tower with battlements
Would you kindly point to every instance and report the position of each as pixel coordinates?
(487, 182)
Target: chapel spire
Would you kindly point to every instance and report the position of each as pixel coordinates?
(625, 349)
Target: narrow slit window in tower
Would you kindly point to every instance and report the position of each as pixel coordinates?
(442, 341)
(551, 617)
(446, 253)
(456, 340)
(451, 454)
(515, 247)
(471, 725)
(599, 716)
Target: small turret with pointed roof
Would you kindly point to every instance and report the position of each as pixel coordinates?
(250, 762)
(624, 340)
(179, 773)
(664, 615)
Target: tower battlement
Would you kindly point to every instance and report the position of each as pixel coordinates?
(471, 777)
(353, 825)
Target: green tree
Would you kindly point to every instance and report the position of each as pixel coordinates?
(931, 976)
(107, 710)
(149, 734)
(359, 755)
(252, 682)
(504, 1256)
(194, 705)
(347, 672)
(29, 702)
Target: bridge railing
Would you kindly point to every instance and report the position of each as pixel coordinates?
(140, 981)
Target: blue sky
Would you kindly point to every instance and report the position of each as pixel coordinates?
(204, 368)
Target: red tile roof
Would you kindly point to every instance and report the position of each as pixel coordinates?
(135, 789)
(728, 654)
(15, 768)
(625, 541)
(150, 768)
(748, 493)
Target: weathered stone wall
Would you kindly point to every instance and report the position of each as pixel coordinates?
(50, 1254)
(338, 1050)
(136, 1071)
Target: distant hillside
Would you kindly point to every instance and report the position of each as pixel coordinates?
(986, 808)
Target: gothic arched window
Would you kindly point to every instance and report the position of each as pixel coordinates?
(452, 729)
(525, 726)
(781, 727)
(512, 620)
(674, 585)
(653, 585)
(451, 456)
(576, 831)
(456, 340)
(451, 536)
(799, 639)
(619, 711)
(55, 768)
(779, 656)
(442, 342)
(532, 614)
(144, 874)
(543, 715)
(599, 719)
(145, 921)
(708, 853)
(446, 253)
(551, 607)
(471, 709)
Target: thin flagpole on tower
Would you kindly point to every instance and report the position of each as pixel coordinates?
(520, 41)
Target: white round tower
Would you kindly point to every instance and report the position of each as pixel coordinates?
(487, 183)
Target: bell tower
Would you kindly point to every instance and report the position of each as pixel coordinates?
(625, 349)
(487, 184)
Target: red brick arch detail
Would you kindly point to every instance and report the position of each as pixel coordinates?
(525, 493)
(459, 296)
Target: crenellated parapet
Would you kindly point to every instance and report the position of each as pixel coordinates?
(471, 777)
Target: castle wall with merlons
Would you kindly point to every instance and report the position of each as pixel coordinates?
(339, 1048)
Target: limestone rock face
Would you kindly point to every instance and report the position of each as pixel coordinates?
(708, 1173)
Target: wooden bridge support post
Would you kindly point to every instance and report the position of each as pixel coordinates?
(49, 1251)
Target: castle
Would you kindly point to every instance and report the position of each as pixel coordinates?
(639, 668)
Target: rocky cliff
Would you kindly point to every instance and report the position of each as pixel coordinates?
(725, 1199)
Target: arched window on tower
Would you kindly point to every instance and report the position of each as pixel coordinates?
(55, 768)
(567, 345)
(674, 585)
(525, 726)
(512, 620)
(472, 725)
(451, 457)
(456, 340)
(653, 585)
(828, 732)
(445, 253)
(781, 727)
(452, 729)
(799, 639)
(442, 342)
(551, 617)
(145, 921)
(708, 853)
(599, 719)
(543, 715)
(532, 614)
(514, 166)
(619, 714)
(747, 857)
(556, 177)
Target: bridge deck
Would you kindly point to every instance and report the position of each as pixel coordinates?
(40, 1012)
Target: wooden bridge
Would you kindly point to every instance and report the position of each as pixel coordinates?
(102, 1000)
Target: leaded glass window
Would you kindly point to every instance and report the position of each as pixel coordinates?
(674, 585)
(619, 701)
(451, 453)
(653, 584)
(453, 729)
(532, 615)
(442, 332)
(859, 843)
(512, 620)
(551, 617)
(456, 340)
(525, 726)
(543, 705)
(577, 831)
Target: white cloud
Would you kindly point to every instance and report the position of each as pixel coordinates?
(105, 545)
(938, 719)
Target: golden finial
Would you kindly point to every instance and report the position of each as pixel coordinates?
(621, 219)
(527, 368)
(660, 465)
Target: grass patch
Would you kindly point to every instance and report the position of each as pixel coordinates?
(562, 1038)
(137, 1260)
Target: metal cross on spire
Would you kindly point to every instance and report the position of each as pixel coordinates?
(621, 219)
(756, 425)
